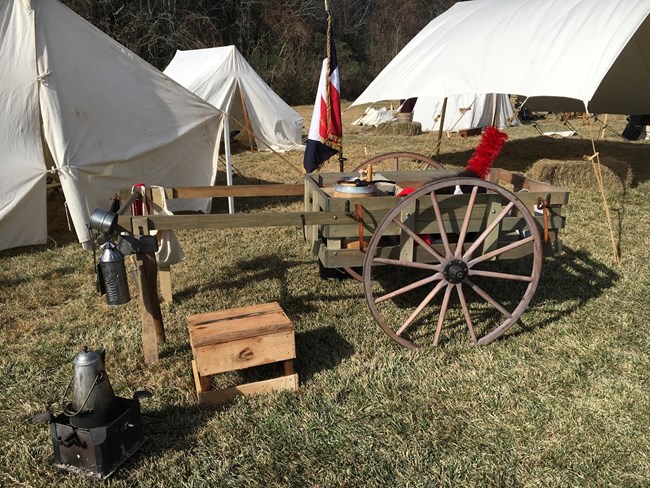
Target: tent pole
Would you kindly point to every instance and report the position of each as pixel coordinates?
(495, 110)
(248, 128)
(226, 145)
(601, 134)
(442, 125)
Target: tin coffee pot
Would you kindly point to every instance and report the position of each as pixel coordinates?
(93, 400)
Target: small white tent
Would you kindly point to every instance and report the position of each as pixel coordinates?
(567, 55)
(464, 112)
(221, 76)
(107, 118)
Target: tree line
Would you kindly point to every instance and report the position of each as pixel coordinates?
(284, 40)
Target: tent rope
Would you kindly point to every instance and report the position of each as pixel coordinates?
(41, 77)
(597, 166)
(300, 171)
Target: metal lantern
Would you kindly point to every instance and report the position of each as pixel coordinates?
(112, 275)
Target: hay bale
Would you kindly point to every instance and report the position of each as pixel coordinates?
(576, 175)
(400, 128)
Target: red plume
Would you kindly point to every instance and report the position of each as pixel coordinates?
(486, 152)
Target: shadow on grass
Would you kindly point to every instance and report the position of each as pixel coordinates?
(263, 268)
(520, 154)
(569, 282)
(46, 276)
(566, 284)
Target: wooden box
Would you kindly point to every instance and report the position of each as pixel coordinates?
(240, 338)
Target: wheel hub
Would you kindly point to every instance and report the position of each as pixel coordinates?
(455, 271)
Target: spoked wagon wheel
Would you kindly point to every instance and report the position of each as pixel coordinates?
(449, 246)
(393, 160)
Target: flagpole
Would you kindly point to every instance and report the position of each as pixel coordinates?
(329, 57)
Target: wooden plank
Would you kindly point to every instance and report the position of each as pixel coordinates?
(227, 395)
(202, 383)
(490, 242)
(265, 190)
(244, 353)
(165, 283)
(249, 310)
(407, 244)
(520, 181)
(238, 220)
(238, 326)
(153, 333)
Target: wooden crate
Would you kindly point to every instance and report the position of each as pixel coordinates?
(240, 338)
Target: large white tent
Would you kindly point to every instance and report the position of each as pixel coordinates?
(464, 112)
(221, 76)
(107, 119)
(565, 54)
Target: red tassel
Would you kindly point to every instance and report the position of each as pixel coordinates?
(486, 152)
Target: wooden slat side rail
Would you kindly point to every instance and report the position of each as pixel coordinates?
(229, 221)
(266, 190)
(520, 181)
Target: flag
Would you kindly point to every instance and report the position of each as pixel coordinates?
(326, 131)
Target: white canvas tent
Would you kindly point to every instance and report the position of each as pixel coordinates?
(221, 76)
(107, 118)
(565, 54)
(464, 112)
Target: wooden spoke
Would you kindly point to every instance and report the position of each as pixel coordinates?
(487, 231)
(408, 264)
(420, 307)
(468, 319)
(441, 225)
(500, 276)
(419, 240)
(479, 291)
(500, 251)
(468, 216)
(443, 311)
(406, 289)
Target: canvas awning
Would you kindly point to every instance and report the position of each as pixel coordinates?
(564, 54)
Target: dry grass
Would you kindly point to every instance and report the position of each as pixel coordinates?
(561, 400)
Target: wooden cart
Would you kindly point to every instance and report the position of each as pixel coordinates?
(482, 247)
(473, 259)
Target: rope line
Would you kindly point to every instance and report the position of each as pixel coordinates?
(597, 166)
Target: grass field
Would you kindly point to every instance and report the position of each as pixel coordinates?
(562, 399)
